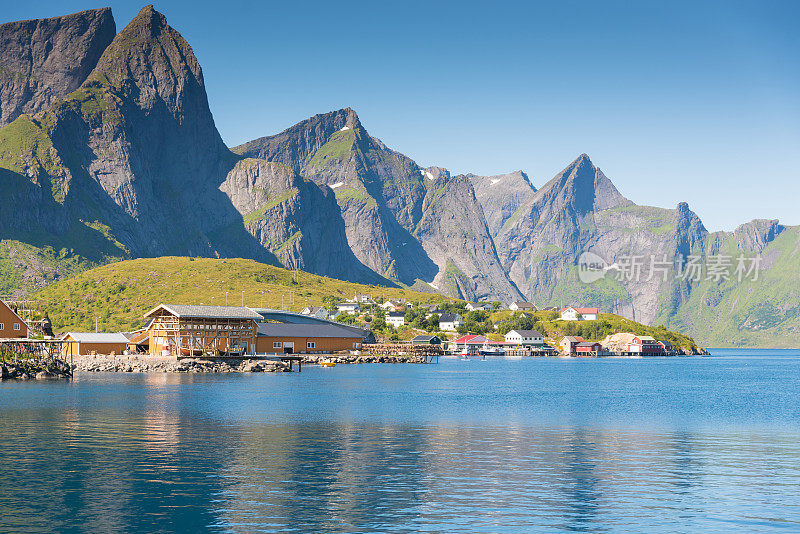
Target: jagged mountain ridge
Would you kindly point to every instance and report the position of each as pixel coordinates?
(131, 164)
(390, 204)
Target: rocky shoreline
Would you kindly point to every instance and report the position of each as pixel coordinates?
(145, 364)
(35, 370)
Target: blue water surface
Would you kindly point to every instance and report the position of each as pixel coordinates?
(505, 445)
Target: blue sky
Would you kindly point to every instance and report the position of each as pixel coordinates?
(694, 101)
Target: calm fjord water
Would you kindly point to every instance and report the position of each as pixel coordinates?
(652, 445)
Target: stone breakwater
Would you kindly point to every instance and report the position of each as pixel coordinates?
(362, 358)
(139, 364)
(34, 369)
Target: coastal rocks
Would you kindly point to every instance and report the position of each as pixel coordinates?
(362, 358)
(35, 369)
(145, 364)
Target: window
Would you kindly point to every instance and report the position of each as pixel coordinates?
(311, 345)
(356, 345)
(276, 344)
(2, 326)
(17, 326)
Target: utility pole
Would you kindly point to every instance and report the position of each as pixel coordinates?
(95, 325)
(226, 298)
(242, 298)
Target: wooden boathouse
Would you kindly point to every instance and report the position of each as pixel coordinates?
(188, 330)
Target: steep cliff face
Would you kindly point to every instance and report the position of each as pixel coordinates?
(454, 234)
(385, 198)
(548, 232)
(501, 196)
(295, 219)
(580, 211)
(135, 147)
(131, 164)
(44, 60)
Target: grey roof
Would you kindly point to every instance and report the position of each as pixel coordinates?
(94, 337)
(523, 304)
(207, 312)
(396, 314)
(449, 317)
(587, 344)
(304, 330)
(528, 333)
(423, 337)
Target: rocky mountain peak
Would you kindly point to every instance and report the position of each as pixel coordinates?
(43, 60)
(689, 229)
(583, 187)
(151, 62)
(755, 235)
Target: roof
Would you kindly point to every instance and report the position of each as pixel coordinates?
(574, 339)
(424, 338)
(304, 330)
(348, 304)
(587, 344)
(528, 333)
(449, 317)
(647, 338)
(94, 337)
(523, 304)
(582, 311)
(471, 339)
(10, 309)
(396, 314)
(207, 312)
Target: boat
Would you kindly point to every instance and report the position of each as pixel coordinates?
(327, 363)
(487, 350)
(186, 351)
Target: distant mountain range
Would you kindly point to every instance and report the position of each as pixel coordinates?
(108, 151)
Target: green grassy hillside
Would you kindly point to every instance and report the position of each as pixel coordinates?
(751, 313)
(119, 294)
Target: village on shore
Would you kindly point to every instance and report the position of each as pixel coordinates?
(361, 329)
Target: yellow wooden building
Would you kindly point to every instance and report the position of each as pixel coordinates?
(195, 330)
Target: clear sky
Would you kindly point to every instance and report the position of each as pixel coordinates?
(694, 101)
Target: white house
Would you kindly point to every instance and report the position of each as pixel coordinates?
(348, 307)
(521, 306)
(315, 311)
(396, 318)
(483, 306)
(525, 337)
(393, 304)
(450, 322)
(578, 314)
(361, 298)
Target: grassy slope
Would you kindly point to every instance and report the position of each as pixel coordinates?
(760, 313)
(120, 293)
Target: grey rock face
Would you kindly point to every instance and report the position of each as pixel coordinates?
(384, 198)
(501, 196)
(454, 233)
(295, 219)
(753, 237)
(44, 60)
